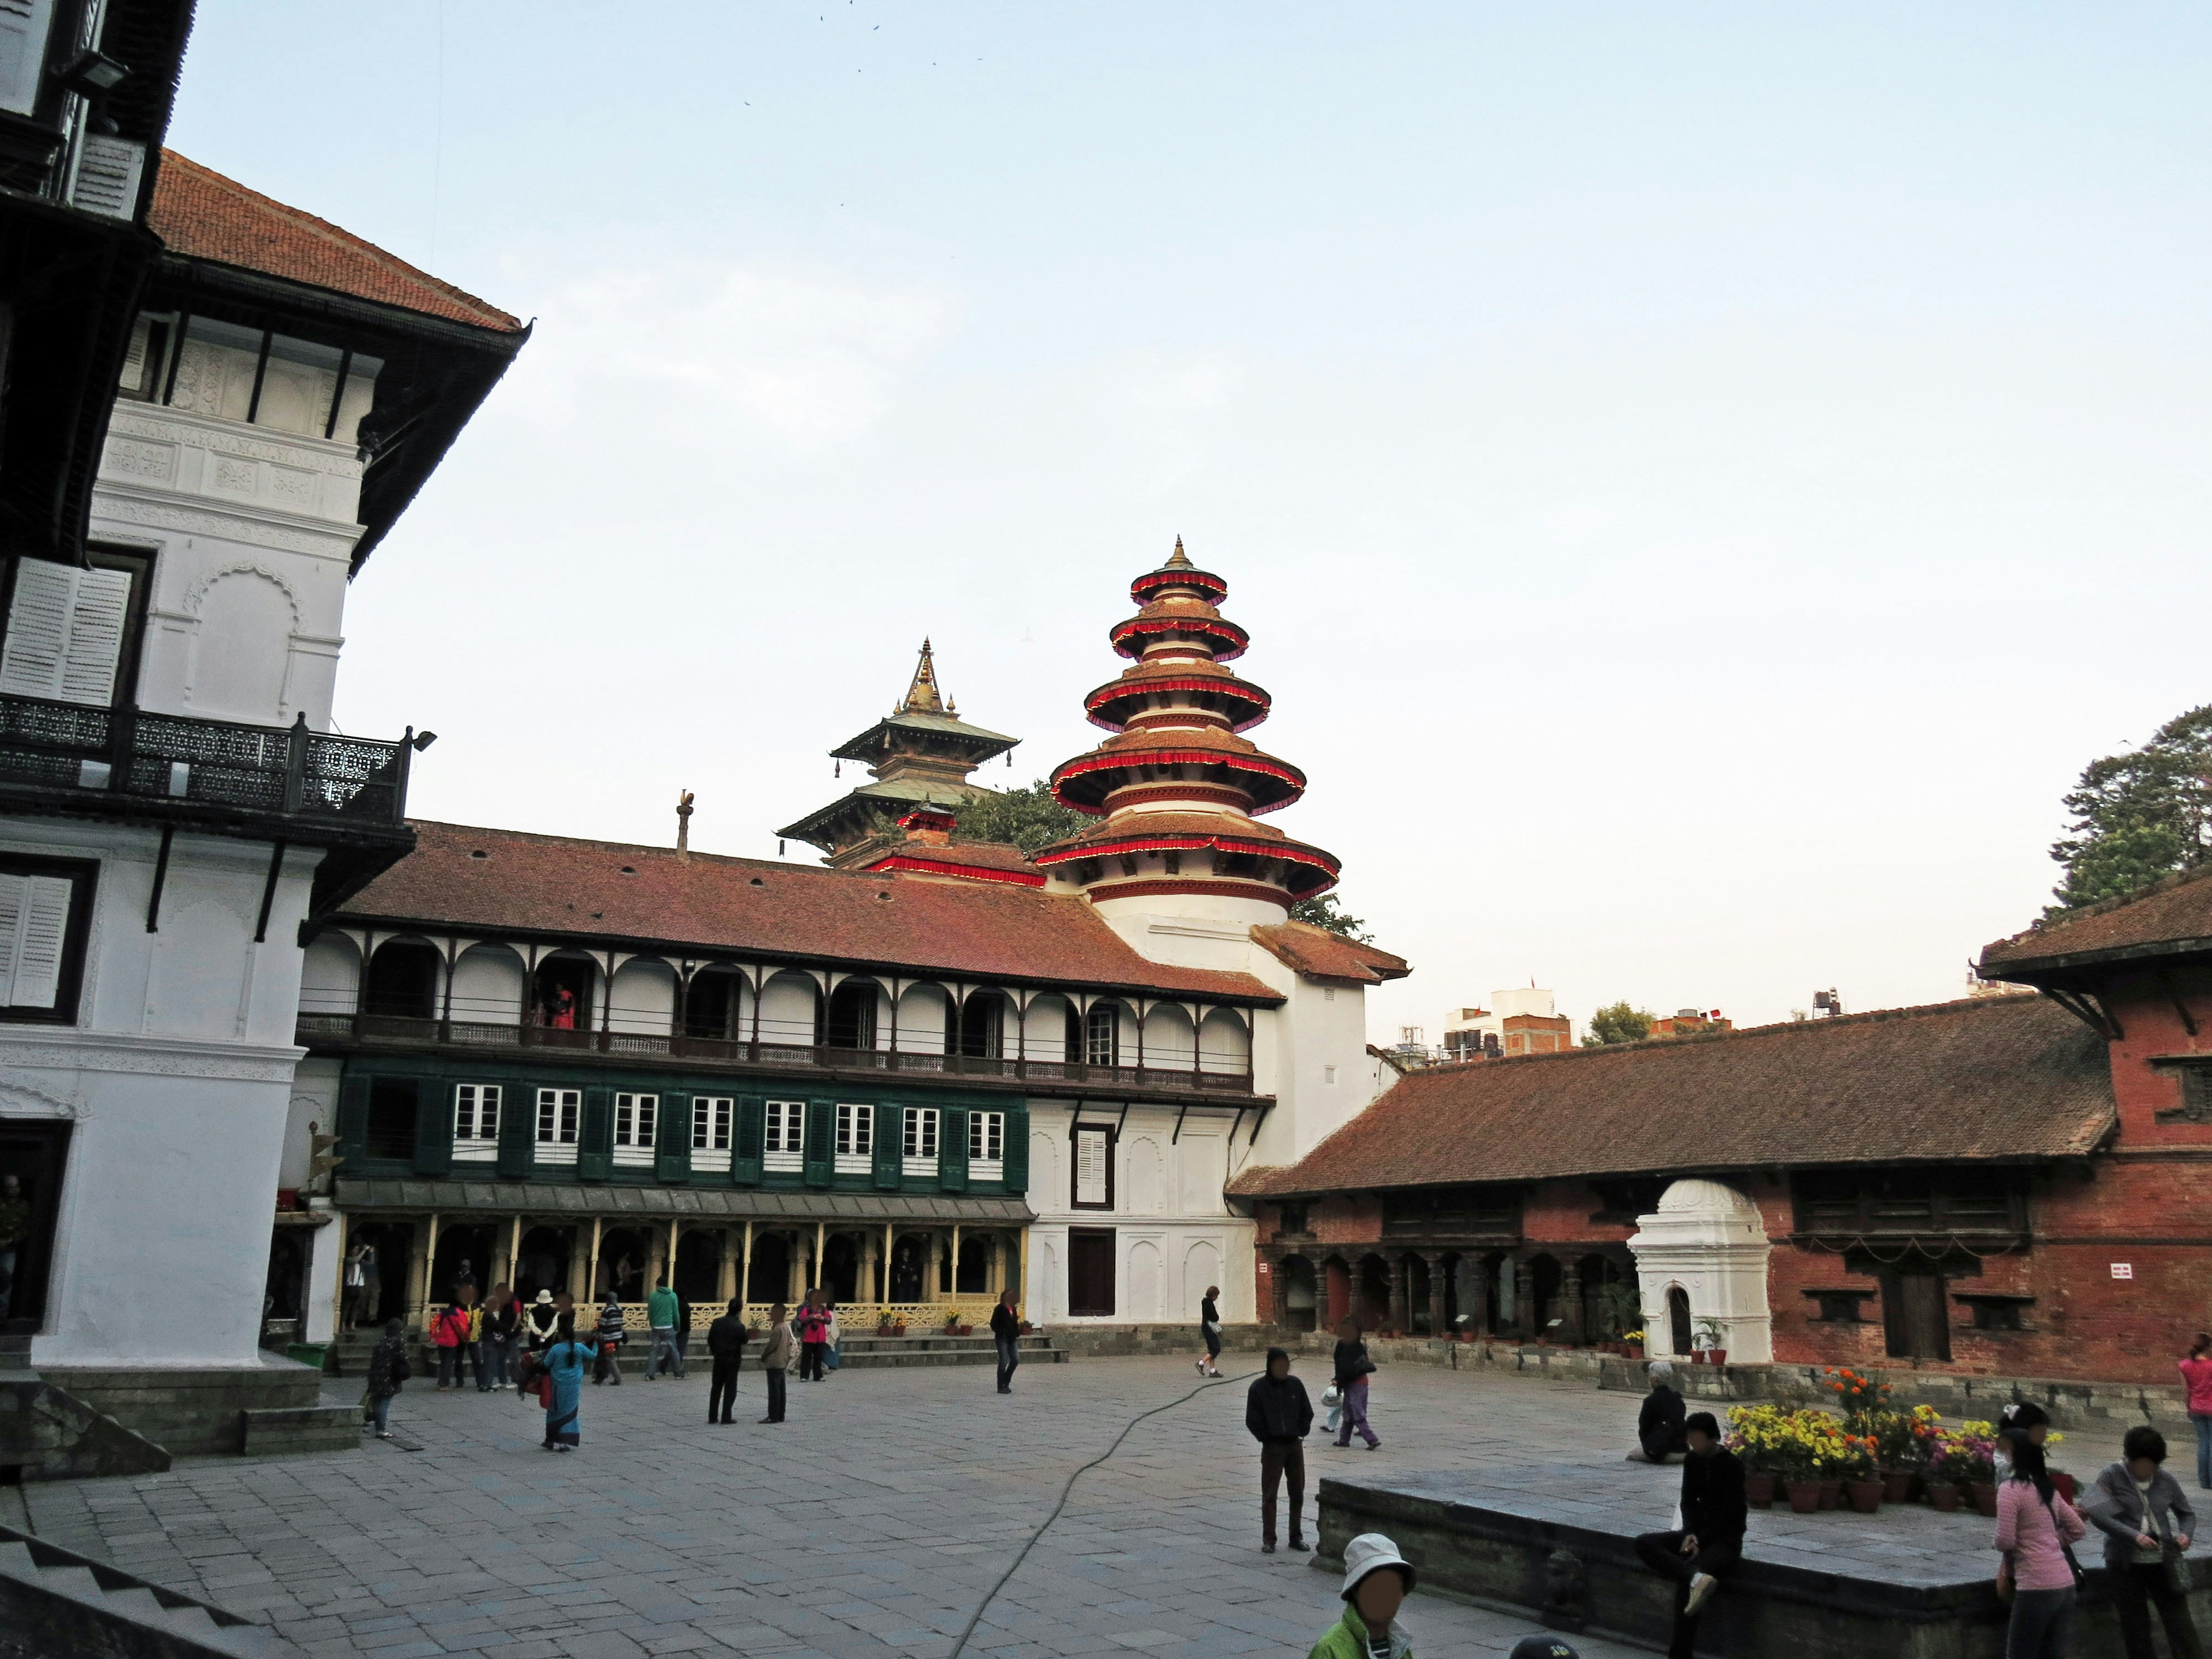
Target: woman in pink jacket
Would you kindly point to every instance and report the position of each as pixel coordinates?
(2036, 1528)
(2196, 1373)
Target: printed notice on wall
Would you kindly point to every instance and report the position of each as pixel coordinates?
(2123, 1270)
(1091, 1155)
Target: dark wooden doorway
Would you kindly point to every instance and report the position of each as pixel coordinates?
(1678, 1321)
(392, 1245)
(455, 1246)
(699, 1267)
(1916, 1324)
(543, 1264)
(32, 1158)
(1091, 1272)
(768, 1275)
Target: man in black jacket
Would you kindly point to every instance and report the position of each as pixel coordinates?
(1281, 1416)
(1659, 1423)
(726, 1346)
(1710, 1543)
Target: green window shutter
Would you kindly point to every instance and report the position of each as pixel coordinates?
(518, 1129)
(673, 1156)
(821, 1150)
(1017, 1150)
(353, 1114)
(887, 1148)
(595, 1141)
(752, 1131)
(952, 1150)
(434, 1127)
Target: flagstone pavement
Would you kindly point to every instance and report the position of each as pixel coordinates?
(873, 1522)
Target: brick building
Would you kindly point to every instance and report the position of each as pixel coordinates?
(2003, 1185)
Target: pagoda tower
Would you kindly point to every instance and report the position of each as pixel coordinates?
(1178, 788)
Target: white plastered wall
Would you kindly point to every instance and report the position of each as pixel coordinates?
(1708, 1239)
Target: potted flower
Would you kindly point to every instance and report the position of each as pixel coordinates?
(1752, 1431)
(1633, 1342)
(952, 1323)
(1711, 1339)
(1795, 1453)
(1855, 1462)
(898, 1328)
(884, 1324)
(1621, 1308)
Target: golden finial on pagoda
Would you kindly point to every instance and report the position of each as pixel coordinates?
(922, 694)
(1177, 560)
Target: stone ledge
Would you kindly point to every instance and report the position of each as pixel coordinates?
(286, 1432)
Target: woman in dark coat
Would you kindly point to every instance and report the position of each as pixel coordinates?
(387, 1370)
(2146, 1519)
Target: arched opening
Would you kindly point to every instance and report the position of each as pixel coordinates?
(1171, 1043)
(699, 1267)
(851, 1018)
(542, 1262)
(1373, 1307)
(1300, 1293)
(488, 986)
(1502, 1291)
(562, 994)
(1225, 1045)
(714, 1005)
(285, 1297)
(1679, 1341)
(391, 1254)
(840, 1268)
(768, 1275)
(791, 1010)
(981, 1033)
(1338, 1274)
(463, 1253)
(403, 980)
(974, 1277)
(909, 1257)
(623, 1254)
(1546, 1316)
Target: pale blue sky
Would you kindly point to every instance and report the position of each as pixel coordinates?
(1700, 486)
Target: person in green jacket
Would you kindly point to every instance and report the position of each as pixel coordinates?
(1376, 1580)
(660, 1315)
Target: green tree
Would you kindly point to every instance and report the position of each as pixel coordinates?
(1326, 912)
(1028, 818)
(1617, 1022)
(2139, 815)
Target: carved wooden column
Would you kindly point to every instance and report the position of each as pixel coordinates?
(1439, 1323)
(1475, 1294)
(1524, 1297)
(1402, 1292)
(1570, 1304)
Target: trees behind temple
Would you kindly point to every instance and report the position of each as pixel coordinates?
(2139, 815)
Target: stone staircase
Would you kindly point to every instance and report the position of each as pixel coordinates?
(55, 1601)
(350, 1352)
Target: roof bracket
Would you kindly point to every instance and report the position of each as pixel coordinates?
(1179, 1113)
(2088, 1007)
(2188, 1019)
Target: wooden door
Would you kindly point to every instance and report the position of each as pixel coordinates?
(1090, 1272)
(1919, 1326)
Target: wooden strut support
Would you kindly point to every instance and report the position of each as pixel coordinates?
(268, 892)
(2086, 1006)
(2188, 1019)
(160, 880)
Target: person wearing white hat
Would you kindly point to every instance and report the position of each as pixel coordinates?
(1377, 1581)
(537, 1325)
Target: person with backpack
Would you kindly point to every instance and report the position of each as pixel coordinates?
(449, 1333)
(1352, 1369)
(2037, 1530)
(2147, 1522)
(726, 1347)
(387, 1370)
(661, 1316)
(608, 1368)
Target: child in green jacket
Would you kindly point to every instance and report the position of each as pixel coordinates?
(1376, 1580)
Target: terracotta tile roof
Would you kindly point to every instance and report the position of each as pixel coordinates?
(1988, 1077)
(975, 859)
(2170, 918)
(707, 905)
(201, 215)
(1320, 954)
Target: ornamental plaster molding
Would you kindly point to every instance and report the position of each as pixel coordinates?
(137, 1056)
(21, 1098)
(281, 532)
(196, 595)
(336, 460)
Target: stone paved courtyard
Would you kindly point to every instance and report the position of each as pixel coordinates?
(873, 1522)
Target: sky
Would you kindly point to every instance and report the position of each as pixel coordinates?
(1701, 482)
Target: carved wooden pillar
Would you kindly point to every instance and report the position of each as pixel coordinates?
(1336, 1291)
(1475, 1294)
(1570, 1304)
(1439, 1323)
(1524, 1297)
(1400, 1281)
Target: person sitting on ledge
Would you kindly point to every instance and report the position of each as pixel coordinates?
(1659, 1425)
(1714, 1515)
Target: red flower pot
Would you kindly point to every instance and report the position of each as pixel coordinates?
(1804, 1497)
(1945, 1496)
(1758, 1489)
(1985, 1496)
(1896, 1485)
(1832, 1493)
(1716, 1356)
(1864, 1496)
(1696, 1356)
(2065, 1484)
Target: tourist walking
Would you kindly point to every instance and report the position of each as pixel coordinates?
(502, 1321)
(1377, 1581)
(387, 1370)
(1659, 1422)
(1209, 1329)
(2037, 1530)
(775, 1359)
(1710, 1542)
(607, 1368)
(660, 1317)
(2147, 1522)
(812, 1327)
(2196, 1374)
(726, 1347)
(1007, 1333)
(1352, 1369)
(449, 1333)
(539, 1324)
(1279, 1416)
(564, 1359)
(359, 1263)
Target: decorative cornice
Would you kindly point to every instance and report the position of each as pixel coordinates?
(287, 533)
(1150, 888)
(176, 427)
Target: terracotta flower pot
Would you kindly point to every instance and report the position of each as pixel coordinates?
(1636, 1350)
(1896, 1485)
(1804, 1497)
(1716, 1356)
(1696, 1356)
(1945, 1496)
(1985, 1496)
(1832, 1493)
(1758, 1489)
(1865, 1495)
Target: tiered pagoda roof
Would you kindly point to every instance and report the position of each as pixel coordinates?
(1177, 777)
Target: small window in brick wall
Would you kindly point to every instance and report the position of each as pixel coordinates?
(2196, 1096)
(1999, 1313)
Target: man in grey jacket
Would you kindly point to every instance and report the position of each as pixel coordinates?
(2144, 1516)
(775, 1360)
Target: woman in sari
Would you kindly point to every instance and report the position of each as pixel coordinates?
(564, 1362)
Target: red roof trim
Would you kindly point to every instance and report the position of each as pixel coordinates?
(1157, 578)
(1220, 627)
(966, 872)
(1153, 886)
(1290, 852)
(1126, 759)
(1235, 691)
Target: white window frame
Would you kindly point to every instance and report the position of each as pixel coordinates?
(918, 1131)
(783, 1144)
(856, 1138)
(713, 1121)
(986, 1146)
(1108, 1014)
(560, 1124)
(637, 1129)
(476, 1121)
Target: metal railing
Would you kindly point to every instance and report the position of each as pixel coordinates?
(314, 1028)
(265, 769)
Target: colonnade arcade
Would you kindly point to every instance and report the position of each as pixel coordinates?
(1557, 1294)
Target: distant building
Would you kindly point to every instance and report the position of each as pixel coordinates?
(1692, 1022)
(1524, 1022)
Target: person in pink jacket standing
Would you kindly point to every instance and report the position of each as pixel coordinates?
(2197, 1372)
(2037, 1530)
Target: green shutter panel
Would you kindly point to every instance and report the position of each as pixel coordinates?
(752, 1133)
(820, 1160)
(353, 1114)
(518, 1129)
(434, 1127)
(1017, 1150)
(595, 1141)
(887, 1148)
(952, 1150)
(673, 1156)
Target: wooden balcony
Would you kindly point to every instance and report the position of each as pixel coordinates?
(327, 1030)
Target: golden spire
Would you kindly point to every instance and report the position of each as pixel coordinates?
(1177, 561)
(921, 696)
